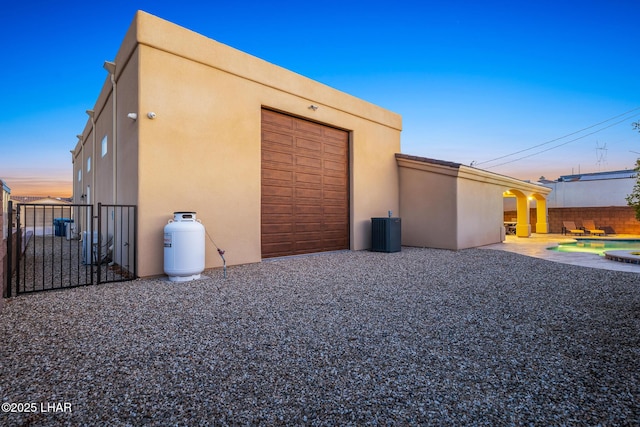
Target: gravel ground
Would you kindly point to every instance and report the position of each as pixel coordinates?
(421, 337)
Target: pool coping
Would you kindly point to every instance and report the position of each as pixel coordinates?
(622, 256)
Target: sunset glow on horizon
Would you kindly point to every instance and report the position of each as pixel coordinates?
(39, 187)
(37, 184)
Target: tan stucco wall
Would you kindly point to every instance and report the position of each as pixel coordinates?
(127, 153)
(202, 151)
(428, 208)
(480, 218)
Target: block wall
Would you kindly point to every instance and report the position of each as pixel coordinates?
(612, 219)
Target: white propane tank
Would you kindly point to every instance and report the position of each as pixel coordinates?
(183, 247)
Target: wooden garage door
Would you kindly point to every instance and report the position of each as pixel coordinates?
(305, 186)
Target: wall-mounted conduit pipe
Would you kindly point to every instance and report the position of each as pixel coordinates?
(111, 68)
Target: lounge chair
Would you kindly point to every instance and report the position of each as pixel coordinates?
(590, 226)
(570, 227)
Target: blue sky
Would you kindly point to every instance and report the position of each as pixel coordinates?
(473, 81)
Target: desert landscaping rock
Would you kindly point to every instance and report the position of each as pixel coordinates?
(420, 337)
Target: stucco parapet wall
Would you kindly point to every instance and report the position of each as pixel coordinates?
(163, 35)
(459, 170)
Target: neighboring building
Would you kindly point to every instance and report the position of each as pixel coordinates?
(36, 199)
(591, 189)
(596, 196)
(41, 218)
(272, 162)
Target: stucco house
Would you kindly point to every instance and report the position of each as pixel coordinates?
(273, 163)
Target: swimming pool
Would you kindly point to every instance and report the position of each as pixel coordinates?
(598, 246)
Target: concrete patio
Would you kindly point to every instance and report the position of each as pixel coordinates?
(537, 246)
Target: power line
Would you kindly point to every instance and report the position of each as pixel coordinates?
(555, 146)
(559, 138)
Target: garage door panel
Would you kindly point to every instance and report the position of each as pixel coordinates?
(309, 236)
(335, 150)
(308, 127)
(277, 157)
(334, 195)
(339, 174)
(334, 210)
(279, 140)
(308, 221)
(277, 239)
(337, 237)
(308, 162)
(278, 249)
(270, 209)
(339, 227)
(277, 119)
(268, 221)
(279, 201)
(305, 186)
(278, 196)
(342, 243)
(337, 200)
(309, 145)
(333, 219)
(303, 227)
(308, 178)
(335, 134)
(282, 177)
(279, 228)
(304, 192)
(308, 209)
(330, 165)
(337, 181)
(277, 191)
(307, 246)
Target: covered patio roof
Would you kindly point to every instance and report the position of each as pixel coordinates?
(468, 172)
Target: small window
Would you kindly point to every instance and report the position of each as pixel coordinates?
(104, 146)
(80, 175)
(88, 164)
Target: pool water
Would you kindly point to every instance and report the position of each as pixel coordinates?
(598, 246)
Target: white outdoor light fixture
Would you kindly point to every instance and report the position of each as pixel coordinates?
(132, 116)
(151, 115)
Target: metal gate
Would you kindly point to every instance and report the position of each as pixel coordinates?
(65, 246)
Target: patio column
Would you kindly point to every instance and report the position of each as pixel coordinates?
(542, 220)
(523, 228)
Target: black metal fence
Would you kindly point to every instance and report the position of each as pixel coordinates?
(65, 246)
